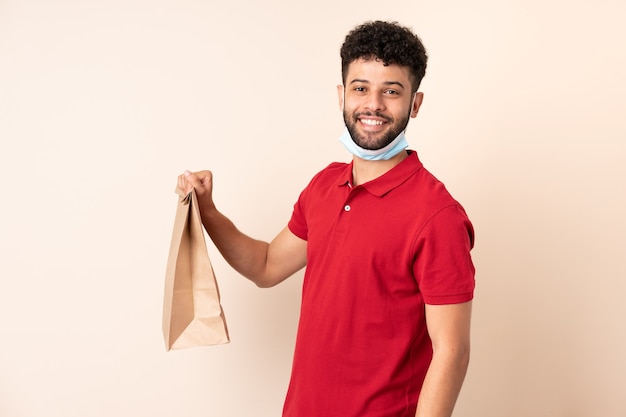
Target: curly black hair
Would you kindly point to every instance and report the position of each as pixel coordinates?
(388, 42)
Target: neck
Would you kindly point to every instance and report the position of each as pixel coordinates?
(364, 170)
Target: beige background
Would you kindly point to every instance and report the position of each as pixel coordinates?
(103, 103)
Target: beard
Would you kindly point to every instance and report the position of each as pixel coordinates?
(370, 141)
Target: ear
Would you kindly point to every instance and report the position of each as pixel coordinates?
(340, 96)
(417, 102)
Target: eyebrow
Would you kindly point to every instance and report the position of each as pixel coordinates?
(387, 83)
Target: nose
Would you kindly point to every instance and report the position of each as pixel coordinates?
(374, 102)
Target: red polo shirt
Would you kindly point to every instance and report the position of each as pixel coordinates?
(376, 253)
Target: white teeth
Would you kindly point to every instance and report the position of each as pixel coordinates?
(371, 122)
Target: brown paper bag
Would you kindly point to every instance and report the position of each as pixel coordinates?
(192, 313)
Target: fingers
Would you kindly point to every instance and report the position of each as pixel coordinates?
(184, 184)
(200, 181)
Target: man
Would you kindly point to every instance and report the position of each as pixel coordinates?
(386, 301)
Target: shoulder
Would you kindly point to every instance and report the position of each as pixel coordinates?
(430, 199)
(332, 173)
(428, 191)
(444, 215)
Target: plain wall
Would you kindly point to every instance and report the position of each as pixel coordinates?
(103, 103)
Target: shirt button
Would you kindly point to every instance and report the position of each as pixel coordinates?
(347, 207)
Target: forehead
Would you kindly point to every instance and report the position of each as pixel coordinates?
(374, 71)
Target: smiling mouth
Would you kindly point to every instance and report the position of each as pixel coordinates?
(371, 122)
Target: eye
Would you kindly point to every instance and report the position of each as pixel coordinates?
(359, 89)
(391, 92)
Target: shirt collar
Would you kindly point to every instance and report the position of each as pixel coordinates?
(390, 179)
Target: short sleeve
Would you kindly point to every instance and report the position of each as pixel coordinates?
(443, 265)
(297, 224)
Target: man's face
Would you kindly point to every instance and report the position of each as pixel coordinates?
(377, 102)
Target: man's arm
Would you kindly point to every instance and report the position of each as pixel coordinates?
(449, 330)
(266, 264)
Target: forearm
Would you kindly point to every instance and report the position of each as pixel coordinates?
(246, 255)
(443, 383)
(266, 264)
